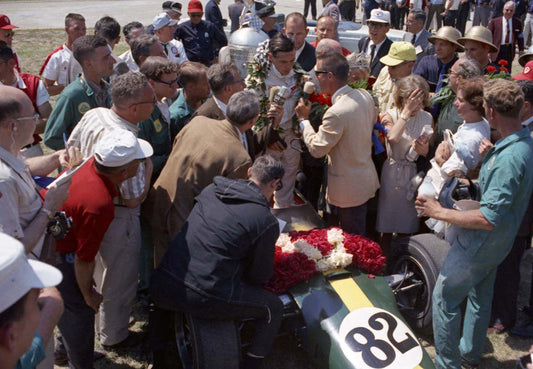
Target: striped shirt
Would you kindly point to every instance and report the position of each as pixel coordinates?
(88, 132)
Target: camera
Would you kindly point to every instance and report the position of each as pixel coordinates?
(59, 225)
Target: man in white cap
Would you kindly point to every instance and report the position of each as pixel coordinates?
(116, 158)
(27, 314)
(133, 101)
(400, 62)
(376, 44)
(164, 28)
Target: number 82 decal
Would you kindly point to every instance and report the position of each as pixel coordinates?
(372, 338)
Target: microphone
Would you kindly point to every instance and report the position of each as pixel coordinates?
(278, 95)
(309, 89)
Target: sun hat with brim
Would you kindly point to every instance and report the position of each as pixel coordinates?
(195, 6)
(399, 52)
(479, 34)
(163, 20)
(5, 22)
(119, 147)
(527, 73)
(449, 34)
(523, 59)
(18, 275)
(379, 16)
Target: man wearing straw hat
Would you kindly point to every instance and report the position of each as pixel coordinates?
(434, 67)
(478, 45)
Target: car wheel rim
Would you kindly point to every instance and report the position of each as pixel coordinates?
(412, 294)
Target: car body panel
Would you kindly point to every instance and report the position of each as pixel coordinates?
(328, 300)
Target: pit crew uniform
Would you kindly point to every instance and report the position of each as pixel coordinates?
(73, 102)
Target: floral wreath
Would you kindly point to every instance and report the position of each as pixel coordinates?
(257, 72)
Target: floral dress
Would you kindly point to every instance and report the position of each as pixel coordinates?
(396, 214)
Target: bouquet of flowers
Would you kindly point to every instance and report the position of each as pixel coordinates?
(300, 255)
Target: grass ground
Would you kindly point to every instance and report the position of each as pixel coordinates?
(500, 352)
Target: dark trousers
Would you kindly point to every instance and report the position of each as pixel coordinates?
(450, 18)
(434, 10)
(347, 10)
(248, 302)
(313, 8)
(352, 219)
(77, 322)
(506, 53)
(507, 284)
(462, 17)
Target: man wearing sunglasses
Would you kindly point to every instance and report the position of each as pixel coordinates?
(133, 101)
(7, 32)
(200, 38)
(345, 136)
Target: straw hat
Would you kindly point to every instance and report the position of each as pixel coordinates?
(523, 59)
(479, 34)
(449, 34)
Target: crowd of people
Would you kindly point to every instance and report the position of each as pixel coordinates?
(172, 159)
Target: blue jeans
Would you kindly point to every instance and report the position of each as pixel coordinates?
(463, 275)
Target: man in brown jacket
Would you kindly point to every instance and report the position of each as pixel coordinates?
(202, 150)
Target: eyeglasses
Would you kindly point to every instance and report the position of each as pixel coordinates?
(169, 84)
(376, 25)
(9, 34)
(195, 15)
(36, 117)
(322, 71)
(153, 102)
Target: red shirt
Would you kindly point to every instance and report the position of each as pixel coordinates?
(345, 51)
(90, 204)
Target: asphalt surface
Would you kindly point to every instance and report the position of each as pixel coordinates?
(51, 13)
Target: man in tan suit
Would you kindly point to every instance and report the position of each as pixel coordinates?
(205, 148)
(346, 137)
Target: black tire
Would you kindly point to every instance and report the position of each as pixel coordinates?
(207, 344)
(419, 260)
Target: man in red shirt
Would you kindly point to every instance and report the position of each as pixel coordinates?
(90, 204)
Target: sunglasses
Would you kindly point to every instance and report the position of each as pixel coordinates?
(195, 15)
(153, 102)
(9, 34)
(169, 84)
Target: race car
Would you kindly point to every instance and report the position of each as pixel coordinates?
(343, 318)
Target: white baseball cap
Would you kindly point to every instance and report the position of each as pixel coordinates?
(379, 16)
(162, 20)
(18, 275)
(120, 147)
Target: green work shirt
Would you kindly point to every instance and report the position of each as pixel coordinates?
(73, 102)
(448, 119)
(160, 134)
(506, 181)
(180, 112)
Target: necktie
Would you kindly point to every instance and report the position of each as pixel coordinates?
(435, 109)
(372, 50)
(165, 46)
(508, 34)
(413, 39)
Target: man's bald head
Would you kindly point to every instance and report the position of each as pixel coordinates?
(328, 46)
(326, 27)
(12, 102)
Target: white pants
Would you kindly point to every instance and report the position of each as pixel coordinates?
(116, 274)
(290, 159)
(528, 28)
